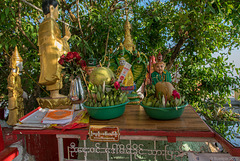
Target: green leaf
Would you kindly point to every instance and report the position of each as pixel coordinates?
(7, 11)
(211, 8)
(3, 17)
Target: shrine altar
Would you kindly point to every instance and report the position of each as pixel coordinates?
(136, 125)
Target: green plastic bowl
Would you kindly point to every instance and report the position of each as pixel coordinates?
(107, 112)
(164, 113)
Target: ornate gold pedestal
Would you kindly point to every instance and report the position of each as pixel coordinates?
(54, 103)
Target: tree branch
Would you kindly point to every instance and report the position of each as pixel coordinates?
(175, 52)
(79, 24)
(164, 54)
(113, 6)
(114, 3)
(68, 5)
(23, 32)
(63, 19)
(19, 25)
(106, 44)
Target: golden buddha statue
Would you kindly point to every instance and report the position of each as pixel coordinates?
(128, 81)
(15, 91)
(51, 47)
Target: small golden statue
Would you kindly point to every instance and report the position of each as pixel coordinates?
(51, 47)
(15, 91)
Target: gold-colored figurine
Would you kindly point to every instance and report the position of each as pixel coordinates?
(51, 47)
(128, 42)
(128, 81)
(15, 91)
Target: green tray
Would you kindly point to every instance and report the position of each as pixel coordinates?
(107, 112)
(164, 113)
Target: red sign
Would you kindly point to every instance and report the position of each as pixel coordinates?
(122, 78)
(98, 133)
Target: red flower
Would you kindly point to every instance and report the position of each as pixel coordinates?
(63, 56)
(83, 63)
(175, 94)
(75, 54)
(71, 62)
(69, 56)
(78, 57)
(61, 61)
(116, 85)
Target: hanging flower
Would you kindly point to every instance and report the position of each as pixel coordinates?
(117, 85)
(175, 94)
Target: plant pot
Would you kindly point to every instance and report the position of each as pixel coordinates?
(107, 112)
(164, 113)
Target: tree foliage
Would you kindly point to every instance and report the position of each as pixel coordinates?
(187, 33)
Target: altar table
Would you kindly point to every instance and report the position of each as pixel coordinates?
(135, 124)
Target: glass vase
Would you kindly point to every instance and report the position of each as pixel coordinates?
(77, 93)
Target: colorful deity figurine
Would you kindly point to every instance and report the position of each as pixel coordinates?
(150, 69)
(139, 69)
(160, 74)
(51, 47)
(129, 80)
(15, 91)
